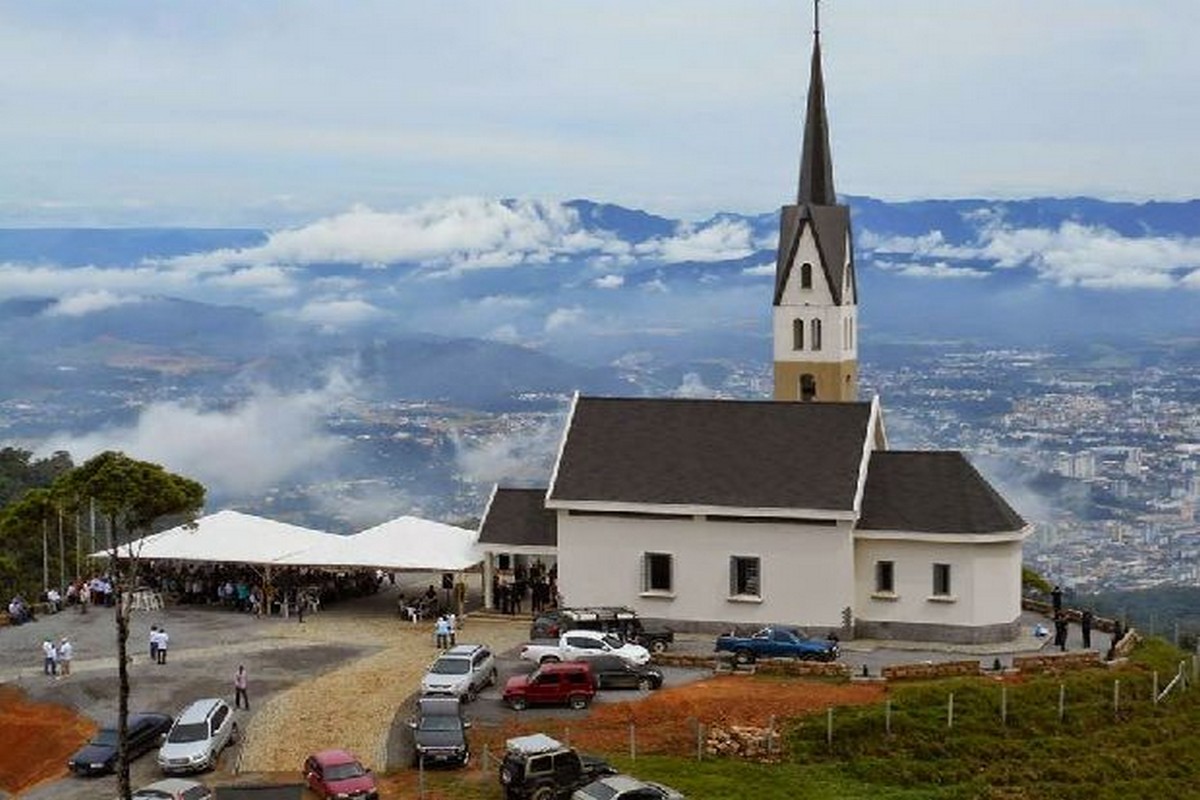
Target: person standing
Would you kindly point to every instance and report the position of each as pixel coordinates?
(239, 688)
(1060, 632)
(153, 644)
(1085, 628)
(1056, 595)
(441, 630)
(49, 666)
(163, 639)
(65, 653)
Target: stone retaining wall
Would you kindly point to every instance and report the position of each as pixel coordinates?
(945, 669)
(766, 666)
(1057, 662)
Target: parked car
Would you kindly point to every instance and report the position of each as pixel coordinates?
(625, 787)
(197, 737)
(439, 733)
(573, 645)
(99, 756)
(174, 789)
(620, 620)
(462, 671)
(613, 672)
(553, 683)
(777, 643)
(537, 767)
(338, 775)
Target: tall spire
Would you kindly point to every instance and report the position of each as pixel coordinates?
(816, 161)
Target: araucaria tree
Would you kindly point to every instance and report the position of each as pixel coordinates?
(132, 496)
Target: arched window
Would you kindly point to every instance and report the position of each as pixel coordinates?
(808, 388)
(816, 334)
(798, 334)
(806, 275)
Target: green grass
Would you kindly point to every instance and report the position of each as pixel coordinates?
(1140, 751)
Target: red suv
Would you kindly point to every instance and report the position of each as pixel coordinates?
(336, 773)
(557, 683)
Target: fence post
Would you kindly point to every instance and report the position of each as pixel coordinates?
(829, 728)
(632, 741)
(421, 777)
(887, 717)
(1154, 692)
(699, 741)
(1062, 701)
(950, 711)
(1004, 705)
(1116, 697)
(771, 738)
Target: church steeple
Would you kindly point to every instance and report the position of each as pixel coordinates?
(816, 160)
(816, 293)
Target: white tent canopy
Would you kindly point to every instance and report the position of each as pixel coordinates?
(399, 544)
(225, 537)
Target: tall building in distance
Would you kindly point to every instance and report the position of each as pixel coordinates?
(816, 295)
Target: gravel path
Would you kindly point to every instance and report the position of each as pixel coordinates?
(354, 705)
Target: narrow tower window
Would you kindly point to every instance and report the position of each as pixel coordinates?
(806, 276)
(798, 334)
(816, 334)
(808, 388)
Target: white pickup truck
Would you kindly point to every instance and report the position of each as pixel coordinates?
(576, 645)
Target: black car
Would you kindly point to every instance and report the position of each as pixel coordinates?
(537, 767)
(610, 619)
(440, 733)
(99, 756)
(614, 672)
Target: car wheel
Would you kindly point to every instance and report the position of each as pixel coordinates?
(543, 792)
(644, 684)
(517, 703)
(577, 701)
(470, 695)
(492, 677)
(235, 735)
(743, 656)
(658, 646)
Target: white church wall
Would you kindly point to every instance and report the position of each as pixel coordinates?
(806, 570)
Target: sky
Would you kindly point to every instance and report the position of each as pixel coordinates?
(214, 113)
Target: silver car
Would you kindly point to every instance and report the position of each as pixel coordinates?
(462, 671)
(196, 739)
(625, 787)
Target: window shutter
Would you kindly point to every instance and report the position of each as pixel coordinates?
(733, 575)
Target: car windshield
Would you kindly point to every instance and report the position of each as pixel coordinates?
(441, 723)
(341, 772)
(195, 732)
(451, 666)
(106, 737)
(598, 790)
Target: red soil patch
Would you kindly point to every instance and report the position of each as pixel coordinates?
(665, 722)
(36, 739)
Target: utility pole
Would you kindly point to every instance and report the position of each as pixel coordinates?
(62, 555)
(45, 556)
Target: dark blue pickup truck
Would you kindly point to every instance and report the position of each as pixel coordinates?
(777, 643)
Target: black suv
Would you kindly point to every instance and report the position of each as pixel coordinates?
(536, 767)
(614, 672)
(611, 619)
(439, 733)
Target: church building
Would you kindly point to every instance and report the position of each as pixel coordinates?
(794, 511)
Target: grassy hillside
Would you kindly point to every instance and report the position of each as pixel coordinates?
(1093, 751)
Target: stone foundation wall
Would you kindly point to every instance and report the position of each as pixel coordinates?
(1057, 662)
(926, 632)
(946, 669)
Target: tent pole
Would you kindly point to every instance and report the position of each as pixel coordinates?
(488, 571)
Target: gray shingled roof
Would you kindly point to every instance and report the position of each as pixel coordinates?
(831, 229)
(932, 492)
(816, 158)
(519, 517)
(736, 454)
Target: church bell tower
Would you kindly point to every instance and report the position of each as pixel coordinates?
(816, 295)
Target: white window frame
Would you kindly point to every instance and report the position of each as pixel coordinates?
(741, 587)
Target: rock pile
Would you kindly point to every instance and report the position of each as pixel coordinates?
(743, 741)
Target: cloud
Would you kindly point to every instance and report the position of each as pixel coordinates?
(723, 240)
(939, 271)
(563, 317)
(761, 269)
(1089, 256)
(524, 456)
(252, 446)
(459, 234)
(88, 302)
(609, 282)
(338, 313)
(693, 386)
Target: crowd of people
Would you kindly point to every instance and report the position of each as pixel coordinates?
(535, 582)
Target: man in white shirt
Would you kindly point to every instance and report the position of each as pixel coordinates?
(65, 653)
(163, 639)
(49, 662)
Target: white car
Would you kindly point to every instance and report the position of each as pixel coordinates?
(462, 671)
(580, 644)
(625, 787)
(174, 789)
